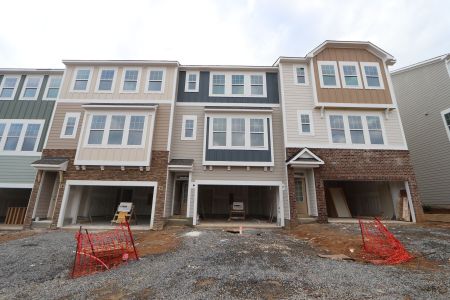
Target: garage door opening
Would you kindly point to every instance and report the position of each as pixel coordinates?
(367, 199)
(237, 204)
(97, 205)
(16, 199)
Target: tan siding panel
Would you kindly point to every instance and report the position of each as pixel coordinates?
(54, 140)
(162, 124)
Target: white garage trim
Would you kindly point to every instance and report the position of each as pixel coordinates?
(69, 183)
(279, 184)
(16, 185)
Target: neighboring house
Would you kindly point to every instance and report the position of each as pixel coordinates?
(343, 134)
(109, 143)
(27, 99)
(423, 95)
(227, 146)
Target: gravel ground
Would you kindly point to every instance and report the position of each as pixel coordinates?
(218, 264)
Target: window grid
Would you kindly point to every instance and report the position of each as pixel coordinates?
(136, 130)
(30, 138)
(12, 139)
(237, 84)
(356, 129)
(337, 129)
(301, 77)
(54, 84)
(106, 80)
(305, 123)
(219, 131)
(20, 135)
(130, 81)
(82, 79)
(155, 80)
(116, 130)
(9, 85)
(256, 132)
(31, 87)
(192, 82)
(257, 84)
(350, 75)
(189, 128)
(375, 130)
(218, 84)
(238, 132)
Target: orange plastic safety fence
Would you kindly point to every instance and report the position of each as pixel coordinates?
(97, 252)
(380, 245)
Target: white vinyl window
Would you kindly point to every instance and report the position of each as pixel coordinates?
(20, 136)
(30, 90)
(130, 80)
(82, 79)
(114, 130)
(300, 76)
(70, 125)
(238, 132)
(218, 82)
(53, 86)
(155, 81)
(328, 74)
(305, 124)
(375, 130)
(106, 80)
(356, 129)
(446, 117)
(337, 129)
(350, 74)
(192, 82)
(257, 84)
(372, 75)
(8, 87)
(237, 84)
(189, 128)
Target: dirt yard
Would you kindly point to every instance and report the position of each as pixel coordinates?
(183, 263)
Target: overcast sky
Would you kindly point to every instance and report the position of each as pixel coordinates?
(39, 34)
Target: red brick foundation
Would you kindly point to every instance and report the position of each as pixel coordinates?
(158, 173)
(356, 165)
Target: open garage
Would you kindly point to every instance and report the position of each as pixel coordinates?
(14, 198)
(99, 203)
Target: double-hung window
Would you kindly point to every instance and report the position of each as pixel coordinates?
(189, 128)
(219, 132)
(327, 72)
(136, 131)
(446, 117)
(192, 82)
(12, 139)
(53, 85)
(20, 135)
(305, 123)
(375, 130)
(372, 75)
(8, 87)
(31, 87)
(82, 77)
(130, 80)
(237, 84)
(218, 84)
(257, 84)
(2, 130)
(256, 132)
(300, 74)
(350, 74)
(97, 129)
(106, 80)
(30, 138)
(337, 129)
(237, 132)
(155, 81)
(116, 130)
(356, 129)
(70, 125)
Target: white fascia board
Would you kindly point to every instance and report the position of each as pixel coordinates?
(238, 182)
(238, 163)
(6, 185)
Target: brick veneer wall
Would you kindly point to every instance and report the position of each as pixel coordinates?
(363, 165)
(158, 173)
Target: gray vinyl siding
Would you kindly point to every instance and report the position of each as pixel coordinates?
(203, 94)
(238, 155)
(16, 169)
(422, 93)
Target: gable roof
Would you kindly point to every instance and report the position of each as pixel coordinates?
(305, 158)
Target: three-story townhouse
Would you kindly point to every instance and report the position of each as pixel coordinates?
(27, 100)
(109, 143)
(227, 147)
(346, 152)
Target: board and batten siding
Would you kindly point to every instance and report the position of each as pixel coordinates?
(300, 98)
(187, 149)
(422, 94)
(345, 95)
(167, 93)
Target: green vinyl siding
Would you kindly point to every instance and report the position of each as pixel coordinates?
(17, 169)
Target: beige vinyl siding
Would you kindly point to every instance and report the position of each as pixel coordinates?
(345, 95)
(167, 93)
(194, 150)
(422, 94)
(116, 154)
(54, 141)
(162, 124)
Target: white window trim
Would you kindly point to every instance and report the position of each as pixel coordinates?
(138, 83)
(147, 83)
(24, 87)
(197, 83)
(336, 74)
(358, 74)
(183, 127)
(348, 141)
(126, 129)
(380, 75)
(306, 74)
(113, 83)
(66, 118)
(44, 97)
(25, 123)
(247, 132)
(447, 129)
(74, 78)
(311, 123)
(15, 87)
(247, 84)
